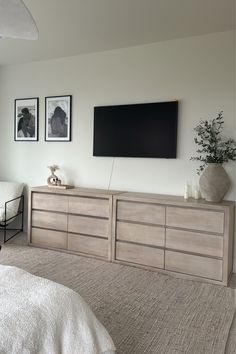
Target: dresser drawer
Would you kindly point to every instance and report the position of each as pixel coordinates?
(51, 202)
(145, 234)
(141, 212)
(89, 245)
(133, 253)
(88, 226)
(194, 265)
(194, 242)
(89, 206)
(49, 238)
(195, 219)
(49, 220)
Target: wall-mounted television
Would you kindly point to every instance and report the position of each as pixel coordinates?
(136, 130)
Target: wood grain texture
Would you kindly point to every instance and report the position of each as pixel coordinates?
(141, 212)
(195, 265)
(194, 242)
(49, 220)
(145, 234)
(228, 243)
(173, 273)
(95, 203)
(229, 251)
(49, 238)
(129, 221)
(133, 253)
(89, 206)
(110, 242)
(164, 199)
(113, 229)
(89, 245)
(195, 219)
(77, 191)
(88, 226)
(29, 217)
(51, 202)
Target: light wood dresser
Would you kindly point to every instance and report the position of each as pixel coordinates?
(75, 220)
(192, 238)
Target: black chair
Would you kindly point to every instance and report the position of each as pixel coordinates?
(8, 220)
(11, 209)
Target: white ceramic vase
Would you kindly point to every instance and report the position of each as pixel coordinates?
(214, 182)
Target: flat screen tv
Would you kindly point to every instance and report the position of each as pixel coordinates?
(136, 130)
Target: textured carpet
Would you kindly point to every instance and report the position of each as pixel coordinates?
(144, 312)
(231, 343)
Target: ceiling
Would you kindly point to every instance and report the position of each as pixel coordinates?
(70, 27)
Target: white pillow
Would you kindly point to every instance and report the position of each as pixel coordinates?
(8, 191)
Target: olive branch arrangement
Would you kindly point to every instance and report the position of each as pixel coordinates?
(213, 147)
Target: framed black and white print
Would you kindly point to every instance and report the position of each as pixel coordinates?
(58, 118)
(26, 119)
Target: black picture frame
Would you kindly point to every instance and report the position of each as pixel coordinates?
(26, 119)
(58, 118)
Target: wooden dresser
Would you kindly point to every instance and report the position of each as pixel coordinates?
(76, 220)
(192, 239)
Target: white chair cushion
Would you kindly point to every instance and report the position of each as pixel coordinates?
(8, 191)
(10, 214)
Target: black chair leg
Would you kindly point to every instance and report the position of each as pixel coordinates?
(5, 233)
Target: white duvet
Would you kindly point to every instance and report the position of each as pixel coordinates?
(38, 316)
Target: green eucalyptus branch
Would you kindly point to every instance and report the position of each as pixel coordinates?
(212, 146)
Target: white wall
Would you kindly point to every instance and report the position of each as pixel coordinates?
(198, 71)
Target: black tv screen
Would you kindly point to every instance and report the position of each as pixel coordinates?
(136, 130)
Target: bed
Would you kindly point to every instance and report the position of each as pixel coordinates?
(38, 316)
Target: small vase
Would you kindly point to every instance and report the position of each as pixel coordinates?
(214, 182)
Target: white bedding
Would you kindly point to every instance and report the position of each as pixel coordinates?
(38, 316)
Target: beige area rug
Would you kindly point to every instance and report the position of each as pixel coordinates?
(231, 343)
(144, 312)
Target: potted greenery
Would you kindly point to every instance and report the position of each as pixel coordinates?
(214, 149)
